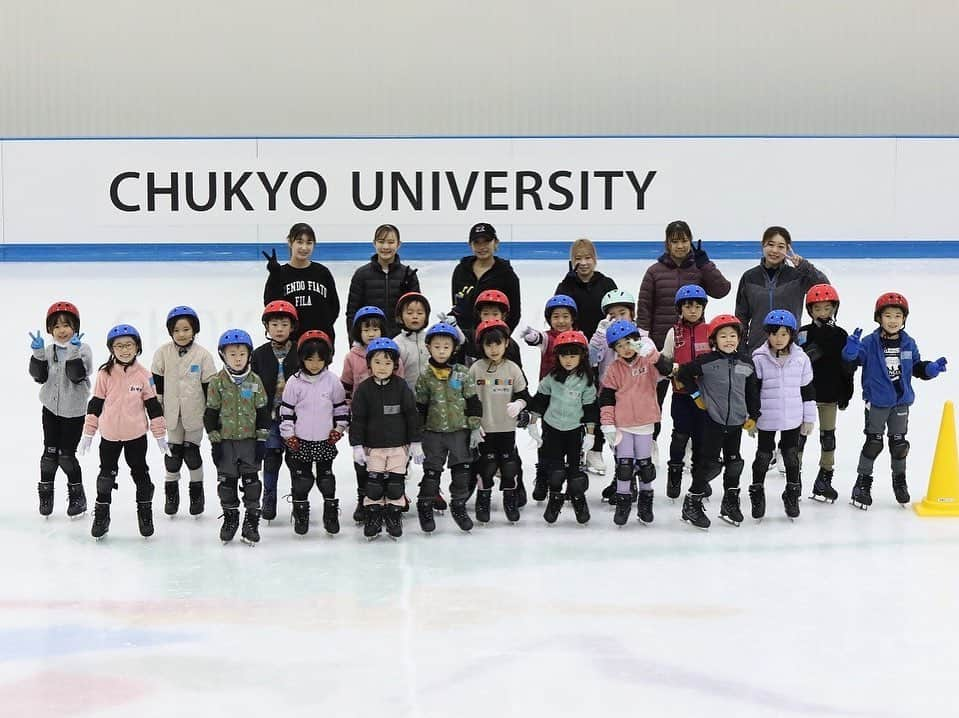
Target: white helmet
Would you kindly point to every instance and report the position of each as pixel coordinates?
(617, 297)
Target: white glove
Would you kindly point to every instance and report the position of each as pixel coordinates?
(514, 408)
(806, 428)
(84, 447)
(603, 324)
(164, 446)
(445, 318)
(588, 442)
(416, 451)
(533, 430)
(476, 437)
(644, 347)
(359, 456)
(613, 435)
(532, 336)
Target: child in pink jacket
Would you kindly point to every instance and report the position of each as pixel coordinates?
(788, 405)
(124, 405)
(628, 412)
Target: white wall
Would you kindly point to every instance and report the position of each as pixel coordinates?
(304, 67)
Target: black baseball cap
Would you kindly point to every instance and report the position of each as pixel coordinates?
(482, 229)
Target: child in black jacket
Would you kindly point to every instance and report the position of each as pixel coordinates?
(823, 341)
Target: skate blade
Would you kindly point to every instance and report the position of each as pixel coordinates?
(701, 528)
(822, 499)
(248, 542)
(371, 538)
(76, 516)
(729, 520)
(858, 505)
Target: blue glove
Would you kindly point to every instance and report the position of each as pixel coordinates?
(37, 342)
(853, 345)
(76, 340)
(216, 451)
(935, 368)
(700, 258)
(260, 450)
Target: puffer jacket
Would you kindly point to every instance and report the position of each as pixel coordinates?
(786, 395)
(465, 287)
(588, 297)
(656, 307)
(64, 378)
(371, 286)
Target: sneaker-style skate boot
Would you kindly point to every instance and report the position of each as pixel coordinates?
(101, 520)
(729, 511)
(623, 506)
(862, 492)
(251, 527)
(580, 507)
(554, 506)
(197, 499)
(76, 500)
(374, 521)
(45, 491)
(644, 507)
(394, 521)
(757, 497)
(900, 489)
(231, 522)
(331, 516)
(791, 499)
(301, 517)
(424, 510)
(693, 511)
(145, 518)
(462, 519)
(822, 489)
(674, 480)
(482, 509)
(510, 505)
(171, 505)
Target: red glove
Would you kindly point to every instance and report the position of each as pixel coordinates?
(334, 436)
(293, 443)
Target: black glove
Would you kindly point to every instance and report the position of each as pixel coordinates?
(699, 255)
(522, 419)
(216, 451)
(271, 264)
(260, 450)
(842, 404)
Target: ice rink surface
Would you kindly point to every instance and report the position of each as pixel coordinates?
(843, 612)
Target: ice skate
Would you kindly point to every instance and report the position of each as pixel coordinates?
(374, 521)
(624, 505)
(580, 508)
(595, 463)
(171, 490)
(609, 493)
(101, 520)
(510, 507)
(822, 489)
(757, 497)
(331, 516)
(394, 521)
(554, 506)
(674, 480)
(251, 527)
(145, 518)
(900, 489)
(76, 500)
(644, 507)
(462, 519)
(862, 492)
(268, 505)
(424, 510)
(439, 503)
(301, 517)
(482, 509)
(693, 511)
(791, 499)
(45, 490)
(520, 492)
(231, 522)
(540, 489)
(197, 499)
(729, 511)
(359, 513)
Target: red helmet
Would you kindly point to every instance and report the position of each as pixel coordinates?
(492, 296)
(486, 326)
(409, 297)
(314, 335)
(62, 308)
(724, 320)
(822, 293)
(282, 308)
(571, 337)
(891, 299)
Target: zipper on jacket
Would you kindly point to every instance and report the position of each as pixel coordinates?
(729, 389)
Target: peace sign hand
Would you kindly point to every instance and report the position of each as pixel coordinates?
(271, 262)
(37, 342)
(77, 339)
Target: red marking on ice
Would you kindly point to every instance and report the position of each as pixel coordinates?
(66, 694)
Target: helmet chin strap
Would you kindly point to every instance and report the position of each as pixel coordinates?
(238, 372)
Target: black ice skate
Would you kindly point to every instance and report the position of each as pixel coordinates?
(268, 505)
(331, 516)
(674, 480)
(693, 511)
(554, 506)
(757, 497)
(76, 500)
(172, 503)
(197, 499)
(580, 508)
(439, 503)
(462, 519)
(822, 489)
(540, 489)
(483, 497)
(900, 489)
(609, 493)
(301, 517)
(374, 521)
(862, 492)
(101, 520)
(251, 527)
(791, 499)
(729, 511)
(707, 492)
(644, 507)
(45, 490)
(231, 522)
(145, 518)
(510, 505)
(394, 521)
(623, 506)
(359, 513)
(424, 509)
(520, 492)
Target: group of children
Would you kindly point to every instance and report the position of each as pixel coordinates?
(444, 400)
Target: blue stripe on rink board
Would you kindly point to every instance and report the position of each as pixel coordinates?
(440, 251)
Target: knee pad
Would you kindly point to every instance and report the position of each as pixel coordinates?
(430, 485)
(144, 489)
(173, 462)
(191, 456)
(252, 489)
(485, 468)
(48, 463)
(791, 458)
(226, 491)
(69, 464)
(873, 446)
(646, 470)
(827, 440)
(302, 480)
(898, 446)
(272, 461)
(577, 483)
(711, 469)
(326, 483)
(395, 486)
(734, 466)
(555, 477)
(106, 483)
(624, 469)
(459, 484)
(375, 485)
(762, 459)
(509, 469)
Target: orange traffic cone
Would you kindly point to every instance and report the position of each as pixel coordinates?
(942, 497)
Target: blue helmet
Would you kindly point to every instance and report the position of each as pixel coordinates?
(182, 312)
(620, 329)
(365, 312)
(124, 330)
(442, 329)
(689, 292)
(560, 300)
(234, 336)
(780, 318)
(383, 344)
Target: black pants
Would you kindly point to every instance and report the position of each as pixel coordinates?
(788, 447)
(135, 454)
(716, 438)
(497, 452)
(661, 388)
(61, 435)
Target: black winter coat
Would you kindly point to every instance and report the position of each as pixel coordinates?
(265, 366)
(373, 287)
(588, 297)
(384, 415)
(465, 288)
(831, 376)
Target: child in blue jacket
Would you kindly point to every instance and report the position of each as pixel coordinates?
(890, 359)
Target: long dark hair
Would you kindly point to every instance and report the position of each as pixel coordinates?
(584, 369)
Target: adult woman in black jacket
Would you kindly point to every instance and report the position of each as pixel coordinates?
(382, 281)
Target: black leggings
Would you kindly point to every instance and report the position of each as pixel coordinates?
(61, 435)
(788, 446)
(135, 453)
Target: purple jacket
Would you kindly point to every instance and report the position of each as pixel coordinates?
(655, 306)
(312, 405)
(787, 396)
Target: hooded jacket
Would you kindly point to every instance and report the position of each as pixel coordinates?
(588, 297)
(373, 286)
(465, 287)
